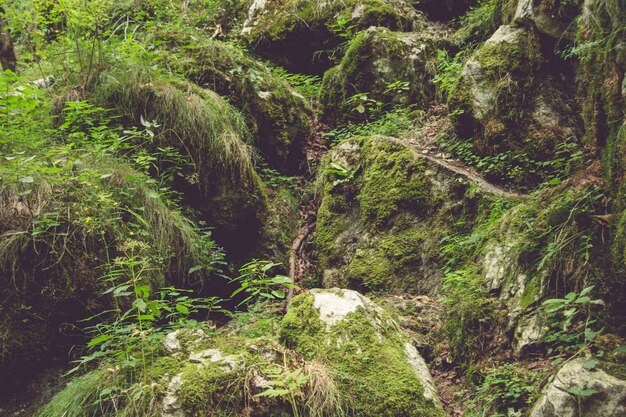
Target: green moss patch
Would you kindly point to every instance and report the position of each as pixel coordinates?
(370, 360)
(516, 122)
(380, 224)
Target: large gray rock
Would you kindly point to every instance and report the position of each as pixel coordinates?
(476, 73)
(558, 401)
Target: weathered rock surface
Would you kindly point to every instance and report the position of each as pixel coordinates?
(555, 19)
(559, 399)
(393, 68)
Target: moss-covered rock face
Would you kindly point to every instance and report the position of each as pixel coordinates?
(552, 18)
(278, 117)
(302, 34)
(221, 376)
(506, 107)
(603, 89)
(392, 68)
(374, 362)
(603, 26)
(194, 374)
(524, 260)
(341, 355)
(384, 211)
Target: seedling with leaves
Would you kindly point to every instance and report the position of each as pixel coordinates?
(285, 383)
(570, 323)
(140, 314)
(363, 104)
(254, 280)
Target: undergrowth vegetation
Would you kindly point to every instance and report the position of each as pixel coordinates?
(159, 205)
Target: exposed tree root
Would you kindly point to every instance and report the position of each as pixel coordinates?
(295, 253)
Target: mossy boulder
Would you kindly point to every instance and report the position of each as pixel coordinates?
(219, 178)
(337, 354)
(384, 210)
(375, 364)
(302, 35)
(509, 104)
(278, 117)
(193, 374)
(552, 18)
(221, 376)
(391, 68)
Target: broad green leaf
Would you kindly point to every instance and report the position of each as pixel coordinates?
(590, 335)
(621, 349)
(98, 340)
(590, 364)
(278, 294)
(586, 291)
(195, 268)
(140, 304)
(181, 308)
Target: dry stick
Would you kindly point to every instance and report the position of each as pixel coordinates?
(294, 252)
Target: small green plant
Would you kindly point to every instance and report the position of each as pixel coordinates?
(581, 393)
(140, 314)
(342, 174)
(570, 323)
(483, 19)
(307, 85)
(449, 71)
(343, 28)
(397, 87)
(275, 179)
(363, 104)
(286, 383)
(506, 391)
(254, 280)
(392, 123)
